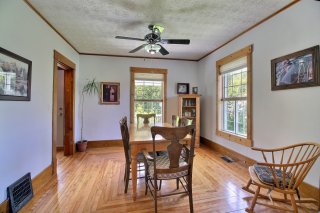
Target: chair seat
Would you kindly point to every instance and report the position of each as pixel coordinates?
(264, 174)
(163, 162)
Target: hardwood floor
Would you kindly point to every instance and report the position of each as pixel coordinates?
(93, 182)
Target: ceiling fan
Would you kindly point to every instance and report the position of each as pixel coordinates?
(154, 41)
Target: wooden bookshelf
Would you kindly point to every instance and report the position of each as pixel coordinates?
(189, 107)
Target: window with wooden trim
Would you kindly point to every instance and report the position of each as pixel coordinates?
(234, 89)
(148, 93)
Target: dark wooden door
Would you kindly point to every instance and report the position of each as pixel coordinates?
(68, 105)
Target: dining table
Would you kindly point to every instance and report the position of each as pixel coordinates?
(140, 140)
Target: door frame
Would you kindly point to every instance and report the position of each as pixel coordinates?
(60, 61)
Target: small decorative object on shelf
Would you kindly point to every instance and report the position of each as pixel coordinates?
(194, 90)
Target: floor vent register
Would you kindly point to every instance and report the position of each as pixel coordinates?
(20, 192)
(227, 159)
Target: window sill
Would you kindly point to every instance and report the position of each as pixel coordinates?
(235, 138)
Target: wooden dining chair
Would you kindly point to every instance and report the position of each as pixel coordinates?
(185, 121)
(146, 118)
(176, 165)
(283, 170)
(175, 120)
(125, 139)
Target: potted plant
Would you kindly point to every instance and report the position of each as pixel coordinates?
(90, 88)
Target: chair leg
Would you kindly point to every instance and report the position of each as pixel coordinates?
(293, 202)
(146, 182)
(254, 200)
(155, 196)
(160, 184)
(190, 193)
(125, 174)
(127, 178)
(249, 183)
(177, 183)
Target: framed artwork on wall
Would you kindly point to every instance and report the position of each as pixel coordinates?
(15, 77)
(299, 69)
(182, 88)
(110, 93)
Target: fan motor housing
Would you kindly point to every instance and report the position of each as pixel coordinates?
(152, 38)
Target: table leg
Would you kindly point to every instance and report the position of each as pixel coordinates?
(134, 173)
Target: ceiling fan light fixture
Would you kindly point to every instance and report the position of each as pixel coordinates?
(152, 48)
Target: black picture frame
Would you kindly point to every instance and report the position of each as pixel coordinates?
(15, 77)
(296, 70)
(182, 88)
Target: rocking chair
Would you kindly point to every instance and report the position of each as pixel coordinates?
(283, 171)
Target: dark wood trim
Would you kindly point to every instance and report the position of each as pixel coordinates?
(250, 28)
(64, 60)
(143, 57)
(69, 69)
(4, 206)
(50, 25)
(306, 189)
(59, 149)
(104, 143)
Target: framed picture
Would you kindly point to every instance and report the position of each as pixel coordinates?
(194, 90)
(110, 93)
(15, 77)
(299, 69)
(182, 88)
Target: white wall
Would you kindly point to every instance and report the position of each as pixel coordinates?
(101, 122)
(26, 126)
(279, 117)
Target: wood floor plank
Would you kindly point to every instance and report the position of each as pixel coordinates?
(93, 182)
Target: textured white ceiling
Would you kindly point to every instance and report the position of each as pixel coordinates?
(91, 25)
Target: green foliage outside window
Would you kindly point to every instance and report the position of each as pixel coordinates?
(235, 110)
(148, 98)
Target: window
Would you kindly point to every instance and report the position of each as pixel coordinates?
(234, 97)
(148, 93)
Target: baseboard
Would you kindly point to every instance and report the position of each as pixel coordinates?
(37, 183)
(4, 206)
(306, 189)
(104, 143)
(41, 179)
(243, 160)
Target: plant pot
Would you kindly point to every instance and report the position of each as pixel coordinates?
(82, 145)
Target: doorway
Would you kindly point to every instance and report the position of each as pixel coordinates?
(63, 107)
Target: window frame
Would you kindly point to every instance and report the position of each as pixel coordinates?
(133, 71)
(244, 140)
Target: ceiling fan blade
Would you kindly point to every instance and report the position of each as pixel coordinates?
(163, 51)
(138, 48)
(175, 41)
(129, 38)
